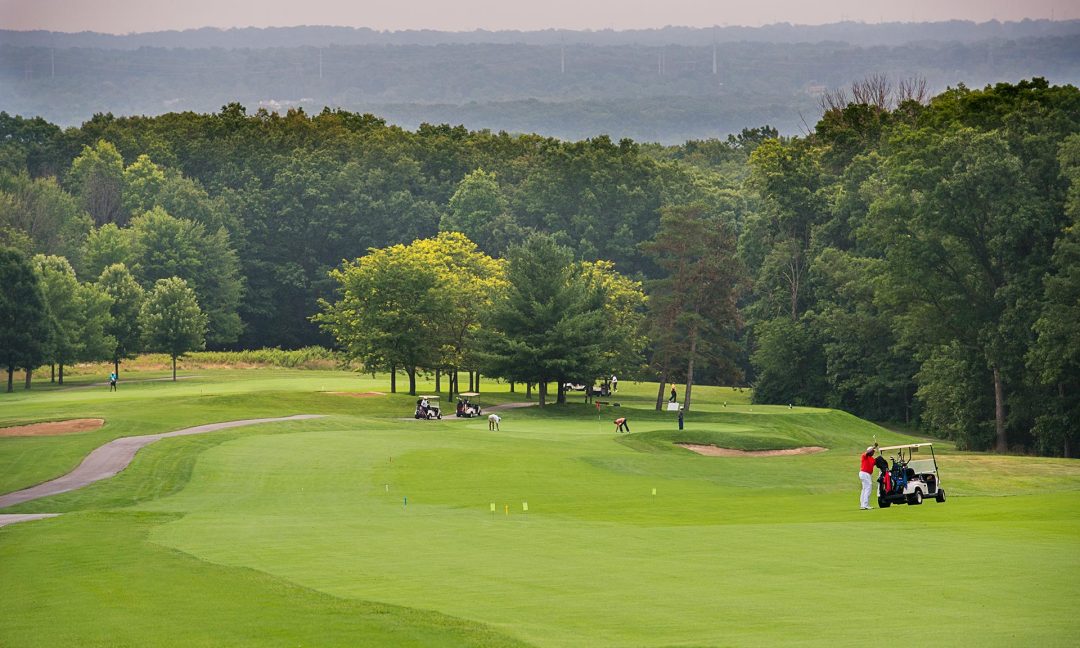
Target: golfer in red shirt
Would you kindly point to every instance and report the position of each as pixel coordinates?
(866, 467)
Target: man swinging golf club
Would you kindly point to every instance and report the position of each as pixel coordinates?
(866, 467)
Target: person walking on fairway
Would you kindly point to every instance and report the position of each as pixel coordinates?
(674, 395)
(112, 381)
(866, 467)
(621, 426)
(493, 422)
(614, 383)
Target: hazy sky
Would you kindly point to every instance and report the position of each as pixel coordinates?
(122, 16)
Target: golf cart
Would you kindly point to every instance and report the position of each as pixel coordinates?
(427, 408)
(465, 407)
(909, 480)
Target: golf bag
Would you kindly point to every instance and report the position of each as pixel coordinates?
(884, 478)
(898, 476)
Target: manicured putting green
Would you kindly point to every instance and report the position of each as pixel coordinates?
(368, 528)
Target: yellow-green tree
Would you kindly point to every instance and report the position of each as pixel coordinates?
(471, 281)
(412, 306)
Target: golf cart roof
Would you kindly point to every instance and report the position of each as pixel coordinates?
(469, 394)
(906, 446)
(430, 397)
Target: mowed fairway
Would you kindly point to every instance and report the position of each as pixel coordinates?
(367, 528)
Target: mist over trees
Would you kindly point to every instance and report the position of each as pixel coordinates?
(666, 85)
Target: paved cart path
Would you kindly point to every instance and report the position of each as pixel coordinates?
(115, 455)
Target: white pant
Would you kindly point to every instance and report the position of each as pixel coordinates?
(864, 500)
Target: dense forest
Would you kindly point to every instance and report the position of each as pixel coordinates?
(663, 86)
(910, 259)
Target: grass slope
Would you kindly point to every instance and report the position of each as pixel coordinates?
(300, 532)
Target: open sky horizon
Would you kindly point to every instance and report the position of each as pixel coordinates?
(129, 16)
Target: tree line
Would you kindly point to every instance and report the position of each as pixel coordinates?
(48, 317)
(910, 259)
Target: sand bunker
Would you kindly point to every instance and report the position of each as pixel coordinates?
(358, 394)
(715, 451)
(53, 428)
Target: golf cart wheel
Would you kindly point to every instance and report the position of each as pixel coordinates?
(883, 503)
(916, 498)
(940, 497)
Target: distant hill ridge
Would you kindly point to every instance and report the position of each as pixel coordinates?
(855, 33)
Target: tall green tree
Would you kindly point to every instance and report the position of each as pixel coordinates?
(171, 320)
(48, 215)
(550, 323)
(1055, 355)
(97, 178)
(164, 246)
(387, 313)
(702, 287)
(105, 246)
(79, 315)
(127, 298)
(469, 282)
(966, 246)
(623, 330)
(24, 318)
(479, 210)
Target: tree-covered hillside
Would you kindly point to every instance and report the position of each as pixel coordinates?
(907, 260)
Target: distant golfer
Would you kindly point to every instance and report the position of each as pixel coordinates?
(621, 426)
(866, 467)
(493, 422)
(674, 395)
(112, 381)
(614, 383)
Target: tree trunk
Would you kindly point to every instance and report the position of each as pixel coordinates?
(999, 412)
(29, 373)
(393, 379)
(477, 390)
(60, 375)
(10, 379)
(511, 386)
(438, 384)
(412, 380)
(173, 370)
(472, 387)
(52, 372)
(1066, 450)
(690, 369)
(116, 366)
(660, 392)
(542, 388)
(528, 391)
(560, 397)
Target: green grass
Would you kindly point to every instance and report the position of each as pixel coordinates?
(298, 533)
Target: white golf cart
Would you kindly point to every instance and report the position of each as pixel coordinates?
(467, 407)
(909, 480)
(427, 408)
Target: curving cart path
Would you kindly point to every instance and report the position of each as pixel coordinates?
(113, 457)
